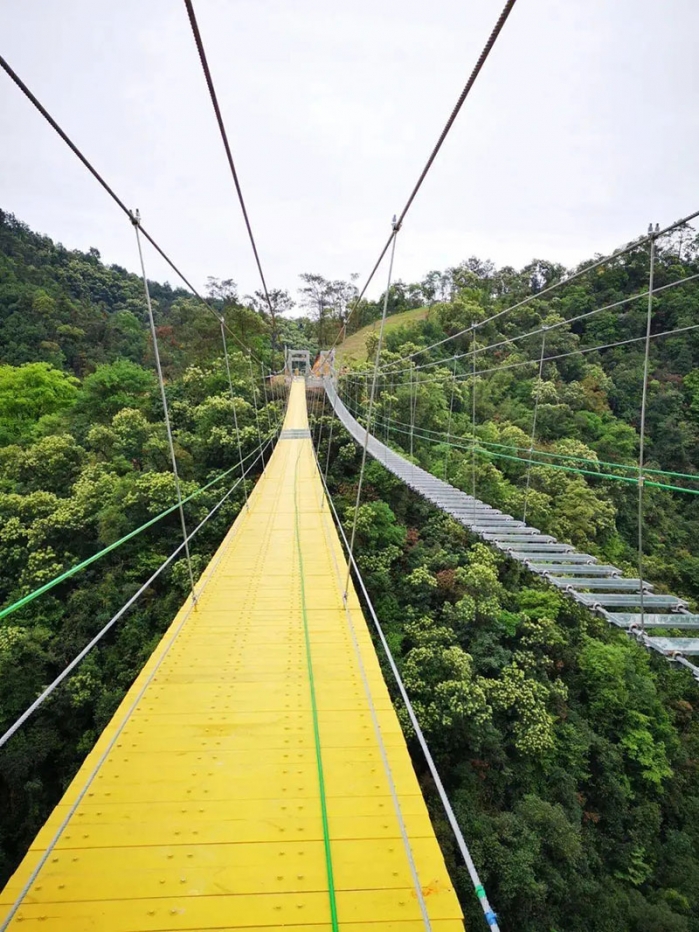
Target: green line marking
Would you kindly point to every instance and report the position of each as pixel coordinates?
(314, 707)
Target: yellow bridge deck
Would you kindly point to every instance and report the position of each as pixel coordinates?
(255, 776)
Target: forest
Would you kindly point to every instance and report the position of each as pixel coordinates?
(571, 755)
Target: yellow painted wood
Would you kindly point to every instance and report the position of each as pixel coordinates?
(199, 807)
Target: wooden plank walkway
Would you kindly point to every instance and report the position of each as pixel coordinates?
(255, 776)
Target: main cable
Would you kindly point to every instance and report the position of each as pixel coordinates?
(482, 58)
(224, 137)
(110, 191)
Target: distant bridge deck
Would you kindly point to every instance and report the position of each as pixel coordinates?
(256, 757)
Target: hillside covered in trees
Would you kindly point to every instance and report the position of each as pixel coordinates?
(571, 755)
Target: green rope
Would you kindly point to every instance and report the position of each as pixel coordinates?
(316, 728)
(57, 580)
(694, 477)
(633, 480)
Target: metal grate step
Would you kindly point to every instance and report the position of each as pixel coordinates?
(596, 582)
(675, 645)
(582, 568)
(539, 556)
(602, 599)
(672, 620)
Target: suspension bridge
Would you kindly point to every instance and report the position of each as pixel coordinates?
(255, 775)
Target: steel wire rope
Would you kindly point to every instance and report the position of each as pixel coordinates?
(694, 477)
(532, 439)
(580, 471)
(370, 406)
(224, 138)
(12, 74)
(482, 58)
(473, 420)
(166, 409)
(488, 912)
(554, 326)
(122, 611)
(642, 430)
(235, 413)
(451, 410)
(586, 472)
(501, 367)
(618, 253)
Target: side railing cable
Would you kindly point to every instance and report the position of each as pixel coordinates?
(509, 341)
(566, 280)
(39, 701)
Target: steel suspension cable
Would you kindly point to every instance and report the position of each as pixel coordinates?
(235, 413)
(12, 74)
(694, 477)
(224, 138)
(370, 408)
(642, 429)
(78, 567)
(532, 439)
(482, 58)
(554, 326)
(166, 410)
(473, 421)
(578, 352)
(254, 401)
(595, 474)
(451, 409)
(617, 254)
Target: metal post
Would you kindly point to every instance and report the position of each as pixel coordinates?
(235, 413)
(136, 220)
(451, 408)
(413, 405)
(330, 443)
(533, 433)
(254, 401)
(642, 439)
(264, 388)
(371, 406)
(473, 419)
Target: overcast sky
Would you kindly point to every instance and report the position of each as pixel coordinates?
(582, 128)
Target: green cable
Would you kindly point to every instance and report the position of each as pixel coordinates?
(694, 477)
(314, 708)
(25, 600)
(582, 472)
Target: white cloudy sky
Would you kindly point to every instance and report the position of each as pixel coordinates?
(582, 128)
